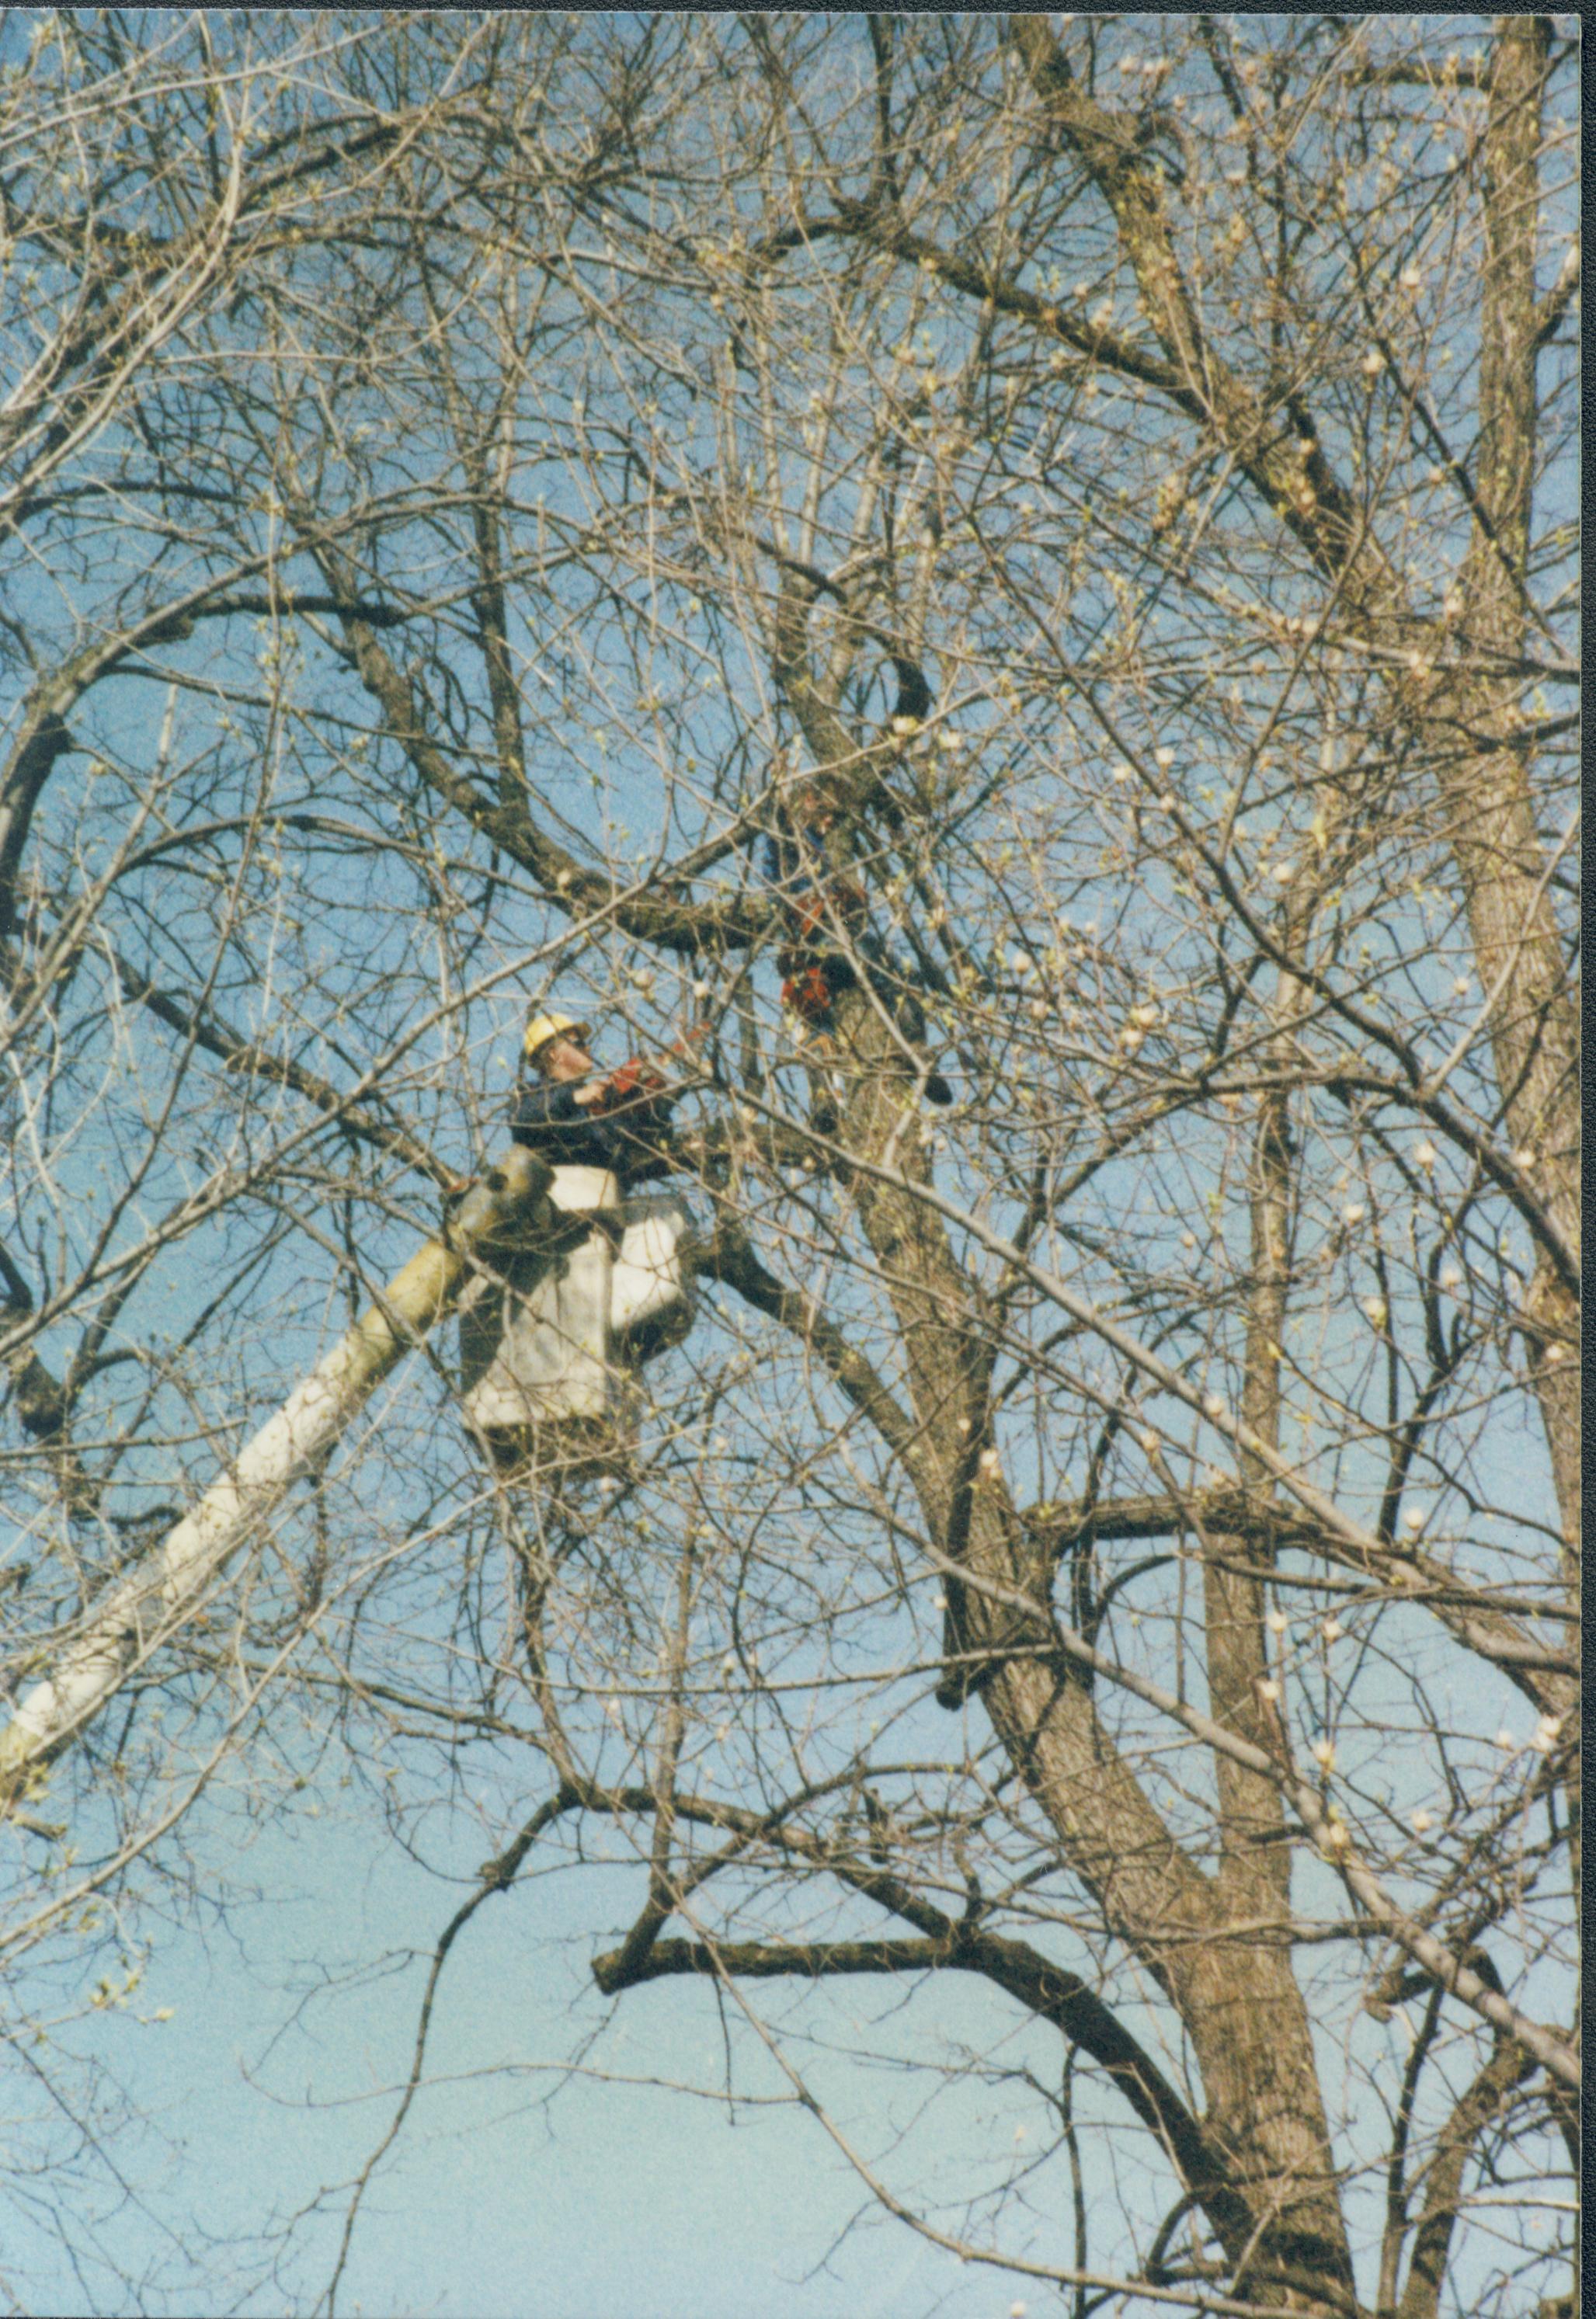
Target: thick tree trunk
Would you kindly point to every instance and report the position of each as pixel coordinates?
(1534, 1027)
(1234, 1990)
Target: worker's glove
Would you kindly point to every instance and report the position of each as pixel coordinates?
(634, 1082)
(809, 995)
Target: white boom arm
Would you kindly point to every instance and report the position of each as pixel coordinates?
(510, 1201)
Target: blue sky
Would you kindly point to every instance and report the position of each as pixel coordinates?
(503, 2199)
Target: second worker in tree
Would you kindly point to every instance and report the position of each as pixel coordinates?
(830, 946)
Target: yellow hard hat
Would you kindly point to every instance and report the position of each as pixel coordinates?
(541, 1028)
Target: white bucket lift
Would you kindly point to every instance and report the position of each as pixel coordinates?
(549, 1354)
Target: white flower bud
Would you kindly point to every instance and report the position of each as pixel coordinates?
(1421, 1822)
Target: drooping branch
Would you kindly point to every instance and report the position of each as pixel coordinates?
(1046, 1990)
(45, 737)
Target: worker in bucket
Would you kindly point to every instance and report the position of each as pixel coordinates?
(571, 1116)
(552, 1345)
(830, 945)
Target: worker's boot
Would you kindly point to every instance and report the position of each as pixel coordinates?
(963, 1675)
(967, 1667)
(825, 1117)
(816, 1043)
(910, 1018)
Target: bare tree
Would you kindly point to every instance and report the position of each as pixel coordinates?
(1099, 499)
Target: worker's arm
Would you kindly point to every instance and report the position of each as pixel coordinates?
(633, 1116)
(637, 1084)
(544, 1105)
(561, 1120)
